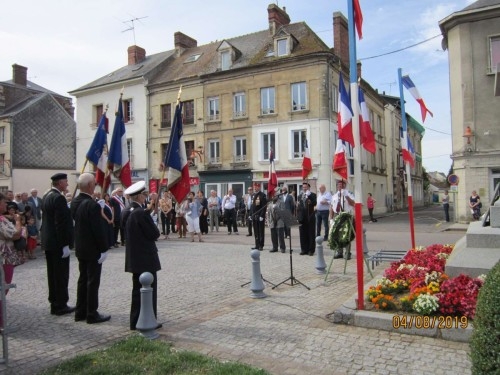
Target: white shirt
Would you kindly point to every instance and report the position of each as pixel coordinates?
(340, 196)
(229, 202)
(326, 197)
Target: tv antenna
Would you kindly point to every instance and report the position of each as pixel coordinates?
(131, 25)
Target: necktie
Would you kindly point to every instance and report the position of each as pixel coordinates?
(339, 206)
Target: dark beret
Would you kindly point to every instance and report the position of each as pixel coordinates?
(59, 176)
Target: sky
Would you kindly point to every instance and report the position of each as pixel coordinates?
(67, 44)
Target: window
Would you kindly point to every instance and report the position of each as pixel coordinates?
(130, 154)
(299, 100)
(2, 163)
(193, 58)
(166, 116)
(225, 60)
(164, 148)
(335, 98)
(494, 53)
(128, 113)
(379, 126)
(240, 106)
(267, 100)
(2, 135)
(188, 112)
(282, 47)
(214, 151)
(299, 138)
(268, 142)
(98, 113)
(240, 149)
(213, 109)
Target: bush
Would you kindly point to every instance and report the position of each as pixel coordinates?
(485, 342)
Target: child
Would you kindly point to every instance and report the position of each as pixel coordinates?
(32, 237)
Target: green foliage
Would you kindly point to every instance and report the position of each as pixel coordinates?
(485, 342)
(425, 179)
(137, 355)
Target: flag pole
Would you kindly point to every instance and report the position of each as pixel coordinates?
(358, 194)
(407, 165)
(176, 104)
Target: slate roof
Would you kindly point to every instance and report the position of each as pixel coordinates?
(31, 86)
(482, 4)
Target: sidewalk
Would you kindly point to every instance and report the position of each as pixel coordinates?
(203, 308)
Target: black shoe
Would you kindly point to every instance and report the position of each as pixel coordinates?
(255, 248)
(348, 256)
(311, 253)
(302, 253)
(159, 326)
(98, 319)
(338, 256)
(261, 248)
(79, 318)
(63, 311)
(273, 251)
(249, 235)
(283, 250)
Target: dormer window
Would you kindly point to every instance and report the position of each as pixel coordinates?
(282, 47)
(225, 60)
(193, 58)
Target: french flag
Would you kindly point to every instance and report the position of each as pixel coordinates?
(176, 159)
(98, 151)
(358, 18)
(410, 86)
(365, 130)
(272, 183)
(344, 116)
(306, 162)
(339, 164)
(408, 151)
(118, 161)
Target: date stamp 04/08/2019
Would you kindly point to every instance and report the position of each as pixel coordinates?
(425, 322)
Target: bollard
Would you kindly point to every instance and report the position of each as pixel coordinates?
(256, 285)
(365, 246)
(146, 324)
(320, 258)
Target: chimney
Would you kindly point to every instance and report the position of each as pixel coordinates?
(277, 17)
(136, 54)
(19, 75)
(341, 37)
(183, 42)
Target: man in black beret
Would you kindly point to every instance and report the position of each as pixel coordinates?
(57, 239)
(307, 219)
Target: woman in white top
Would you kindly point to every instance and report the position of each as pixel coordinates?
(193, 216)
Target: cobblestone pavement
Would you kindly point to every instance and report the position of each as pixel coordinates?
(204, 308)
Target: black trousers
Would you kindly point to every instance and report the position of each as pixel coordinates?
(306, 232)
(119, 230)
(230, 216)
(87, 293)
(258, 232)
(249, 222)
(58, 279)
(135, 308)
(278, 238)
(165, 224)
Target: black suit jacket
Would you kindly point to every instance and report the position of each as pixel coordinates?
(117, 208)
(90, 234)
(258, 209)
(57, 224)
(141, 253)
(305, 207)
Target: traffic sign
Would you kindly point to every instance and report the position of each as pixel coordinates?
(453, 179)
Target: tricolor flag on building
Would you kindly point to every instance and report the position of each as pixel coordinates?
(407, 150)
(272, 183)
(339, 164)
(306, 162)
(344, 115)
(98, 151)
(367, 138)
(410, 86)
(118, 160)
(176, 159)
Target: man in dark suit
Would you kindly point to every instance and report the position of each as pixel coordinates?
(307, 219)
(259, 203)
(36, 207)
(289, 204)
(118, 203)
(57, 239)
(91, 248)
(141, 253)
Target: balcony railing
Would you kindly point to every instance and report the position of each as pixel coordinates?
(240, 158)
(239, 114)
(214, 160)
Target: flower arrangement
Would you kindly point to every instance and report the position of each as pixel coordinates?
(417, 283)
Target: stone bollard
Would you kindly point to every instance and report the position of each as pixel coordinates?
(146, 324)
(320, 258)
(256, 285)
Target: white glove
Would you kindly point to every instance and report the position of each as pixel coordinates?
(102, 258)
(65, 252)
(261, 219)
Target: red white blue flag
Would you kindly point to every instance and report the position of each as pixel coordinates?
(339, 164)
(358, 18)
(98, 151)
(306, 162)
(272, 183)
(407, 150)
(410, 86)
(176, 159)
(345, 114)
(367, 138)
(118, 160)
